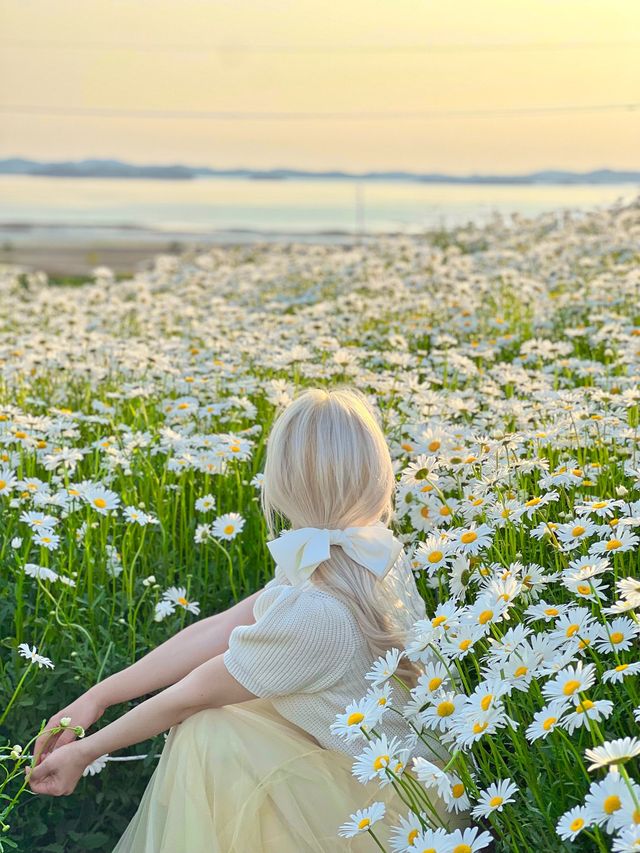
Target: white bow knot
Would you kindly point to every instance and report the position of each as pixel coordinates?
(299, 552)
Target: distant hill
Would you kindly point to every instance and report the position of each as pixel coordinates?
(119, 169)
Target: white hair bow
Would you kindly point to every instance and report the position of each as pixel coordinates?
(299, 552)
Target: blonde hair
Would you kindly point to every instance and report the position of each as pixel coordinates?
(328, 465)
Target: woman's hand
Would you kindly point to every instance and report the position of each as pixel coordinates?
(83, 712)
(58, 774)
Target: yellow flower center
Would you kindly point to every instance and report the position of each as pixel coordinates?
(457, 790)
(3, 483)
(438, 620)
(424, 512)
(617, 637)
(228, 529)
(583, 588)
(494, 802)
(611, 804)
(576, 824)
(578, 530)
(434, 556)
(182, 601)
(464, 645)
(445, 709)
(533, 502)
(485, 702)
(621, 667)
(599, 505)
(364, 823)
(485, 616)
(551, 611)
(412, 836)
(469, 536)
(612, 544)
(462, 848)
(570, 687)
(571, 630)
(381, 761)
(355, 718)
(549, 723)
(435, 683)
(100, 503)
(445, 510)
(434, 445)
(587, 705)
(478, 728)
(520, 671)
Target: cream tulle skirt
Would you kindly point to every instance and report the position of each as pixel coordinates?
(242, 779)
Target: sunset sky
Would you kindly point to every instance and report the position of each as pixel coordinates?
(457, 86)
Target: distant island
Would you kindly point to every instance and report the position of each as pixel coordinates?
(120, 169)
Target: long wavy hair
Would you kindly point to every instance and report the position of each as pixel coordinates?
(328, 465)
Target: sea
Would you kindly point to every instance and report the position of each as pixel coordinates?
(76, 210)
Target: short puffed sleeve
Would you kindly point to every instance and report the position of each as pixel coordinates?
(302, 643)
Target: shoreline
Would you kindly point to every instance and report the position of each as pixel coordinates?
(129, 249)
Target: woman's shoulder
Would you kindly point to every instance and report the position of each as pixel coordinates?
(307, 607)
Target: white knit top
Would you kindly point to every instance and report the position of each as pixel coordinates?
(307, 654)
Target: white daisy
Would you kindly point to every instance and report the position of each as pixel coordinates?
(494, 798)
(432, 840)
(101, 499)
(572, 823)
(359, 715)
(621, 671)
(362, 820)
(96, 766)
(227, 526)
(619, 635)
(570, 682)
(178, 597)
(206, 503)
(470, 540)
(384, 667)
(373, 761)
(628, 840)
(584, 710)
(613, 752)
(33, 656)
(545, 720)
(609, 803)
(469, 840)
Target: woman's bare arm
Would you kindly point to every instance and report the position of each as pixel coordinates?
(209, 685)
(176, 657)
(161, 667)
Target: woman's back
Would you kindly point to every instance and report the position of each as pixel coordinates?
(307, 653)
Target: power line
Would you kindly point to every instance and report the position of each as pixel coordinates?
(427, 47)
(235, 115)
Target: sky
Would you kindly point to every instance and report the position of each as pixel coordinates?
(458, 86)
